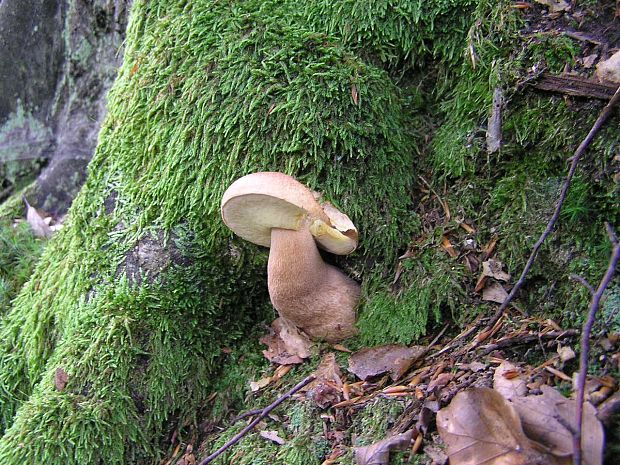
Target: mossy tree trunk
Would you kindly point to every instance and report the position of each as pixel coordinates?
(121, 327)
(120, 333)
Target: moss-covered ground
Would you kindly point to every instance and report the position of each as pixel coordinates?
(148, 306)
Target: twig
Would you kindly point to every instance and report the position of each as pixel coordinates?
(443, 204)
(454, 342)
(585, 341)
(584, 282)
(605, 113)
(254, 422)
(249, 413)
(527, 338)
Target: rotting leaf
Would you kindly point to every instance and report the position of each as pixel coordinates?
(566, 354)
(609, 70)
(326, 389)
(494, 292)
(379, 452)
(555, 6)
(481, 427)
(544, 418)
(60, 378)
(588, 61)
(491, 269)
(272, 436)
(394, 359)
(440, 381)
(506, 384)
(286, 344)
(39, 227)
(448, 247)
(260, 384)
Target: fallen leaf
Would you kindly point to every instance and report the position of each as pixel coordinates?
(494, 292)
(260, 384)
(555, 6)
(467, 228)
(448, 247)
(588, 61)
(471, 262)
(282, 371)
(327, 389)
(394, 359)
(474, 366)
(481, 427)
(436, 454)
(354, 94)
(440, 381)
(507, 385)
(489, 248)
(286, 344)
(328, 370)
(60, 378)
(559, 374)
(491, 269)
(341, 348)
(272, 436)
(379, 452)
(39, 227)
(427, 415)
(608, 409)
(609, 70)
(544, 416)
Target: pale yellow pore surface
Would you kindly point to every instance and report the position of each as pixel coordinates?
(258, 202)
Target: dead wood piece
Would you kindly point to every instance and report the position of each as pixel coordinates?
(494, 129)
(575, 86)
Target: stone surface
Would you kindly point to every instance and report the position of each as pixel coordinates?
(67, 52)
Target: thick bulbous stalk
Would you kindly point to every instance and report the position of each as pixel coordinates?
(315, 296)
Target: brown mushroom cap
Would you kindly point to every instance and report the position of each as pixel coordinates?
(255, 204)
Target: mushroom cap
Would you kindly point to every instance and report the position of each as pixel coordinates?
(255, 204)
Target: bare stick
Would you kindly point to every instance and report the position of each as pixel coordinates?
(605, 113)
(585, 342)
(584, 282)
(254, 422)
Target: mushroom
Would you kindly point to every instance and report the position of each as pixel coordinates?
(275, 210)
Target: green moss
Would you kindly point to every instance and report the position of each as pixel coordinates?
(550, 52)
(301, 432)
(397, 33)
(19, 251)
(430, 285)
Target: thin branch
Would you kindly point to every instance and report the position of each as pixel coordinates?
(249, 413)
(605, 113)
(585, 342)
(584, 282)
(254, 422)
(526, 339)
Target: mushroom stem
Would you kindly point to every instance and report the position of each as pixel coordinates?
(315, 296)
